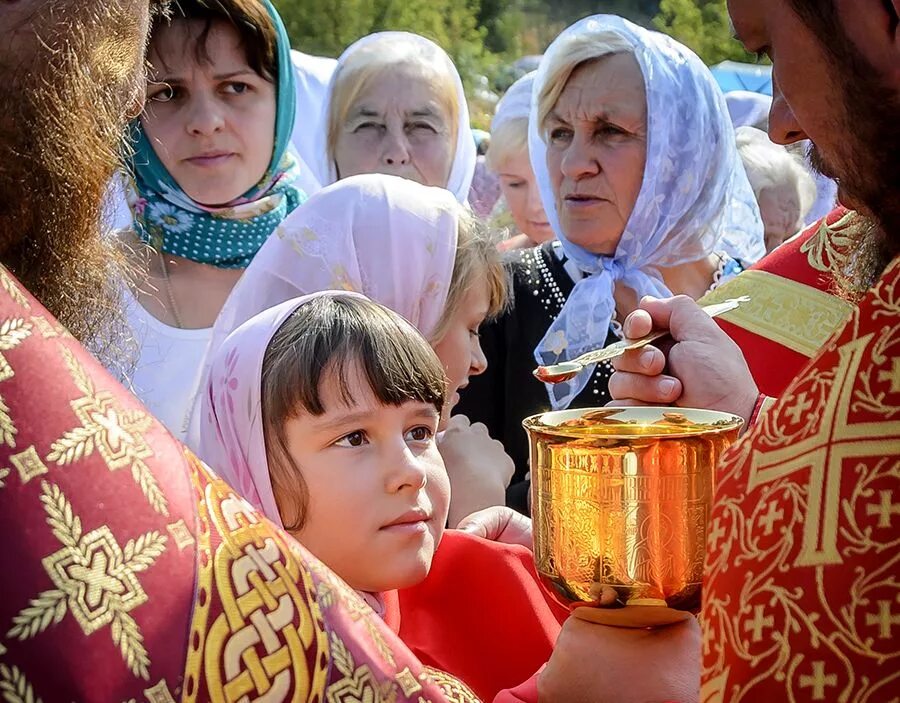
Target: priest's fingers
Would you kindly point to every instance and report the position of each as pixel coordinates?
(628, 404)
(660, 390)
(648, 361)
(681, 316)
(638, 324)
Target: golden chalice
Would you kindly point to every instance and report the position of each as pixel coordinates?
(620, 502)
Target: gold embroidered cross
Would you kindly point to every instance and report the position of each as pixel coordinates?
(818, 681)
(884, 619)
(759, 623)
(822, 454)
(717, 533)
(768, 520)
(800, 406)
(885, 509)
(893, 375)
(96, 581)
(96, 578)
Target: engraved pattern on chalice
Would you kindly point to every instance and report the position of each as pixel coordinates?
(620, 500)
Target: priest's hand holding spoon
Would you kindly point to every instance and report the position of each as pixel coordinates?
(703, 368)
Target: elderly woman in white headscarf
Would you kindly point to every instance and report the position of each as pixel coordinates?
(508, 158)
(784, 189)
(644, 188)
(395, 105)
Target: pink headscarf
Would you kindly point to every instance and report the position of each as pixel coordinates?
(388, 238)
(231, 431)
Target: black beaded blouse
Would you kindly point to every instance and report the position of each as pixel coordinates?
(507, 392)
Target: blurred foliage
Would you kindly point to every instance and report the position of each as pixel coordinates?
(702, 25)
(486, 37)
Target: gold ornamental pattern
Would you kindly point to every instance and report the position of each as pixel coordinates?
(96, 581)
(802, 599)
(269, 641)
(117, 434)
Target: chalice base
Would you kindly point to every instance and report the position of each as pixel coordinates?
(631, 615)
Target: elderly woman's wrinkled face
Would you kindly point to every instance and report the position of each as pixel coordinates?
(596, 138)
(398, 126)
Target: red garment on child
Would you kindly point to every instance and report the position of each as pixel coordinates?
(481, 614)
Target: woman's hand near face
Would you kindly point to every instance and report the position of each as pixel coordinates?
(707, 368)
(478, 466)
(596, 663)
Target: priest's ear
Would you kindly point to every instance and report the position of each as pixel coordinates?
(873, 26)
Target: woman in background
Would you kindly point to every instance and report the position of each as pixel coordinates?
(213, 178)
(396, 106)
(508, 158)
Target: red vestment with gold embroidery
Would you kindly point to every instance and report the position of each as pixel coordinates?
(132, 573)
(792, 310)
(802, 588)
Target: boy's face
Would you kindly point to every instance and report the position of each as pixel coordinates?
(378, 493)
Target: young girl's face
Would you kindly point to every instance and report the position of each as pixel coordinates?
(212, 124)
(378, 493)
(459, 349)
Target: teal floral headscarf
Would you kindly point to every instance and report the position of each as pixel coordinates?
(228, 236)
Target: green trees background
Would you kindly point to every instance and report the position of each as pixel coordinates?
(485, 36)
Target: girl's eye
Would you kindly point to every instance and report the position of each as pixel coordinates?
(420, 434)
(367, 126)
(475, 332)
(515, 184)
(354, 439)
(163, 93)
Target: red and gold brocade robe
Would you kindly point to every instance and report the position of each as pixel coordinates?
(802, 589)
(791, 312)
(132, 573)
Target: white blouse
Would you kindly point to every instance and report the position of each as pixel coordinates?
(167, 375)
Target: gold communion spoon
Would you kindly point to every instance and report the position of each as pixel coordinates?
(566, 370)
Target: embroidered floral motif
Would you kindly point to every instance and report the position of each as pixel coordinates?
(827, 249)
(12, 334)
(96, 581)
(8, 283)
(357, 684)
(116, 434)
(15, 687)
(454, 690)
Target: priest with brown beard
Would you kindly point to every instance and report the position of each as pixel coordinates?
(130, 571)
(802, 584)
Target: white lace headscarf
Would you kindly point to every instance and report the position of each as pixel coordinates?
(464, 153)
(694, 200)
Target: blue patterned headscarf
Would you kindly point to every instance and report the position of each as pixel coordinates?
(229, 236)
(695, 198)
